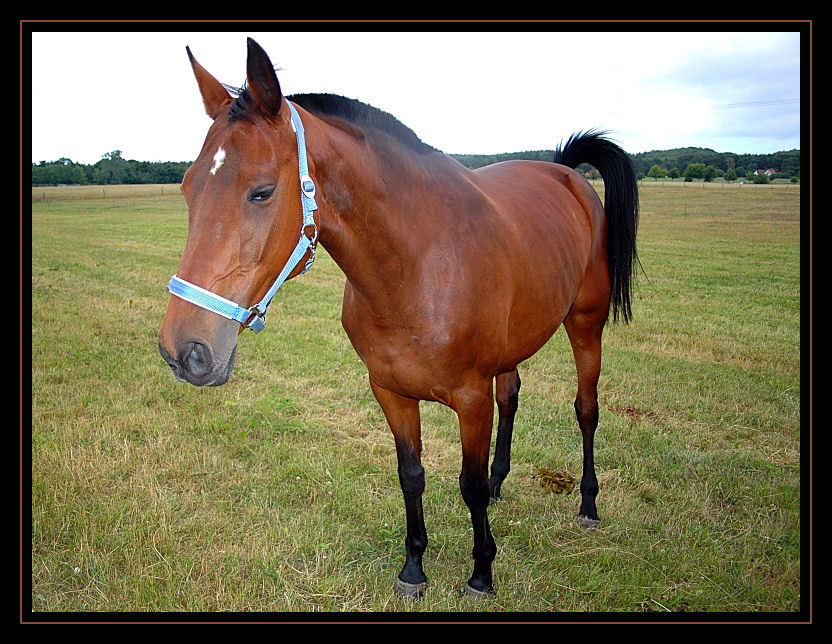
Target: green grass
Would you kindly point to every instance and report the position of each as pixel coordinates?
(278, 491)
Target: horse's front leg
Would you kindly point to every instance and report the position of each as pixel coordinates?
(403, 417)
(475, 409)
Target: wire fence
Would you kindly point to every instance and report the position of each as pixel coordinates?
(132, 191)
(693, 185)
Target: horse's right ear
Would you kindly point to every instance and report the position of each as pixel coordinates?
(262, 81)
(214, 95)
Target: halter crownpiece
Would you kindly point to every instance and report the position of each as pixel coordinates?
(254, 317)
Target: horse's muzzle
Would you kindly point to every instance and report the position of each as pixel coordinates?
(195, 364)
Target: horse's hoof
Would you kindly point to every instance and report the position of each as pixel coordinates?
(587, 523)
(409, 591)
(488, 593)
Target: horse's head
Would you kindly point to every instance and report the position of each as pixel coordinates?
(244, 213)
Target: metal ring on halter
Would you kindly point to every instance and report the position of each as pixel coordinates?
(312, 245)
(314, 226)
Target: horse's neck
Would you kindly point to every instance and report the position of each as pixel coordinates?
(364, 201)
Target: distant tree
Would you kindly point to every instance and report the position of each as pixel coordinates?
(694, 171)
(113, 169)
(731, 175)
(709, 174)
(673, 173)
(657, 172)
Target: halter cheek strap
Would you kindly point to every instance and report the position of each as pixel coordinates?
(254, 317)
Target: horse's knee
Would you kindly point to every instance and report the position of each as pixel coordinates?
(412, 479)
(474, 489)
(586, 412)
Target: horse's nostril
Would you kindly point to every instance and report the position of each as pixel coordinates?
(197, 359)
(167, 357)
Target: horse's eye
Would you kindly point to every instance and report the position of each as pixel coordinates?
(261, 193)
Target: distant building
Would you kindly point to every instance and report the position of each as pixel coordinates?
(770, 172)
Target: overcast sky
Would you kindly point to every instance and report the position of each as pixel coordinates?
(462, 92)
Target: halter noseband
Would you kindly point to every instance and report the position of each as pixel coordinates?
(254, 318)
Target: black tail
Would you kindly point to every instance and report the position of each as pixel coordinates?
(620, 204)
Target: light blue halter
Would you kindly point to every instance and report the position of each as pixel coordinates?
(254, 317)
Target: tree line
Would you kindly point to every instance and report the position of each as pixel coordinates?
(692, 163)
(111, 169)
(705, 164)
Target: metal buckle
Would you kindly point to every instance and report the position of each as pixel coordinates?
(256, 321)
(307, 186)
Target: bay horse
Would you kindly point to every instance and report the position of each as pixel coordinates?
(453, 277)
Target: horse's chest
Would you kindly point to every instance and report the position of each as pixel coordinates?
(401, 353)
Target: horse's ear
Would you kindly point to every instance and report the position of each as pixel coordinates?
(262, 80)
(214, 95)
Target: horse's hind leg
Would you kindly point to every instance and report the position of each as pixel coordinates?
(508, 386)
(585, 325)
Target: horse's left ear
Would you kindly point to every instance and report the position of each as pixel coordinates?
(262, 80)
(214, 95)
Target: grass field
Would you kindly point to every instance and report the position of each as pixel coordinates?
(278, 491)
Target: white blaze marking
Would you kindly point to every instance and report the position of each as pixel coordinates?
(219, 159)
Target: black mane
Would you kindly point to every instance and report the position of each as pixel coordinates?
(355, 112)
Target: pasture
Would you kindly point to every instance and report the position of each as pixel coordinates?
(278, 491)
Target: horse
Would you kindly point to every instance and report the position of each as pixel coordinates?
(453, 276)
